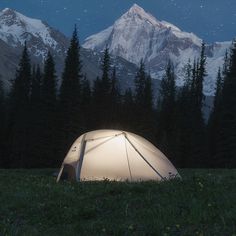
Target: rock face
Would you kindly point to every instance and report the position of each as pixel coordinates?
(138, 35)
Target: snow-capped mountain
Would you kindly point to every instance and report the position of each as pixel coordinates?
(138, 35)
(16, 29)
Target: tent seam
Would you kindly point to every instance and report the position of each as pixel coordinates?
(128, 159)
(144, 158)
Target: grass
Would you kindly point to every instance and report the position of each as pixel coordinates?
(203, 203)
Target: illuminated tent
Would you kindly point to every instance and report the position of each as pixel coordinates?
(115, 155)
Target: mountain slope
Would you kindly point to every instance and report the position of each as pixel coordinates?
(138, 35)
(16, 29)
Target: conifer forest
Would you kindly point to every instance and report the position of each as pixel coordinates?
(44, 113)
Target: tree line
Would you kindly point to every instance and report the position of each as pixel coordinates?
(40, 118)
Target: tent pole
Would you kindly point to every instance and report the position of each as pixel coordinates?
(143, 157)
(128, 160)
(81, 157)
(60, 172)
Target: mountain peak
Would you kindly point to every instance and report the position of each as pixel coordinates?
(16, 28)
(136, 9)
(137, 12)
(7, 11)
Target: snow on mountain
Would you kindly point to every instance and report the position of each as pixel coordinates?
(138, 35)
(16, 25)
(16, 29)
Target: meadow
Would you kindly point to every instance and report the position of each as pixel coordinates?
(202, 203)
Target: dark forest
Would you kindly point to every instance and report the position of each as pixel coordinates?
(40, 117)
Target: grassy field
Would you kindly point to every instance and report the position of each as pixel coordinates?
(203, 203)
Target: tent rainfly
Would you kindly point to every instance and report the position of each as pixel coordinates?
(115, 155)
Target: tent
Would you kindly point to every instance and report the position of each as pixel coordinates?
(115, 155)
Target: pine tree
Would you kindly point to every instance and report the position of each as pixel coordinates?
(105, 86)
(102, 103)
(35, 117)
(115, 101)
(35, 96)
(69, 97)
(96, 103)
(166, 117)
(148, 109)
(226, 64)
(86, 105)
(21, 85)
(213, 122)
(140, 81)
(2, 125)
(49, 85)
(198, 145)
(143, 101)
(148, 94)
(128, 116)
(48, 110)
(184, 110)
(201, 74)
(226, 135)
(105, 80)
(115, 90)
(218, 91)
(18, 130)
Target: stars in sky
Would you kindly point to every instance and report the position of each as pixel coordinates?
(204, 18)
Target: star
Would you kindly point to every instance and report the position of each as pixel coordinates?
(43, 2)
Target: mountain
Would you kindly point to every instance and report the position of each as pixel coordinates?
(138, 35)
(16, 29)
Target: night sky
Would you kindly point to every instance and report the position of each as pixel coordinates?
(211, 20)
